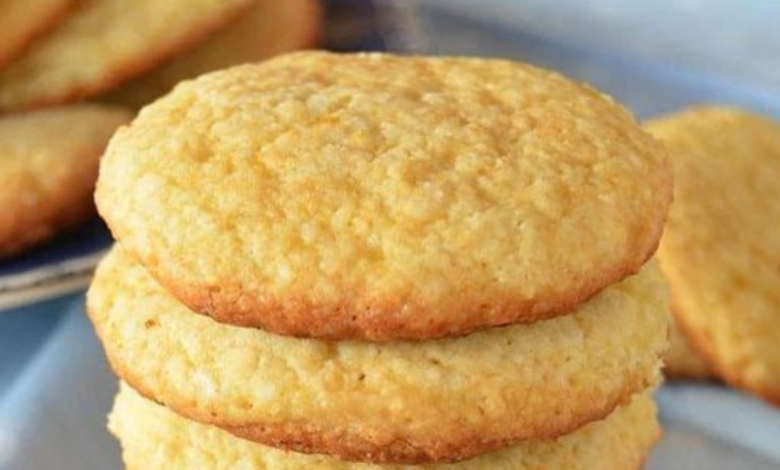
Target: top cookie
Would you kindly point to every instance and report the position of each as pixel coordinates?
(721, 248)
(269, 28)
(103, 43)
(381, 197)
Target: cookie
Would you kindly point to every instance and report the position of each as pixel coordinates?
(379, 197)
(269, 28)
(48, 167)
(442, 400)
(721, 248)
(103, 43)
(153, 437)
(22, 21)
(681, 361)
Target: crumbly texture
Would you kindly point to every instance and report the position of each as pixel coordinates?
(48, 167)
(372, 196)
(681, 361)
(102, 43)
(413, 402)
(271, 27)
(153, 437)
(22, 21)
(721, 248)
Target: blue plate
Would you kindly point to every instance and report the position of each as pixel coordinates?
(58, 267)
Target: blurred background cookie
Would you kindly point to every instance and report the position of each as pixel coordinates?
(270, 27)
(48, 167)
(721, 247)
(681, 361)
(103, 43)
(21, 21)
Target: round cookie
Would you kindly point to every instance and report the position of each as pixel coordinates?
(105, 42)
(153, 437)
(721, 247)
(22, 21)
(372, 196)
(271, 27)
(681, 361)
(48, 167)
(411, 402)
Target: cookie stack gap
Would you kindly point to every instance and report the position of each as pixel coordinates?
(387, 260)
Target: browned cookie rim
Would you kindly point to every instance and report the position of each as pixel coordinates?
(640, 459)
(707, 351)
(350, 446)
(377, 321)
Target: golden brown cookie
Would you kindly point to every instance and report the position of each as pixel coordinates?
(271, 27)
(721, 247)
(102, 43)
(412, 402)
(153, 437)
(681, 361)
(372, 196)
(48, 167)
(22, 21)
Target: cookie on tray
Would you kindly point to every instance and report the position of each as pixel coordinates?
(48, 167)
(153, 437)
(372, 196)
(102, 43)
(23, 21)
(271, 27)
(403, 401)
(721, 247)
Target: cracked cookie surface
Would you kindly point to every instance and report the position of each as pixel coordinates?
(379, 197)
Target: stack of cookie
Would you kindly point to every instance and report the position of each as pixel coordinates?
(330, 259)
(55, 53)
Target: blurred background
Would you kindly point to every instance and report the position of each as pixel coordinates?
(655, 56)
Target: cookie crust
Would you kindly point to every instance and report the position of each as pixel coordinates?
(621, 441)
